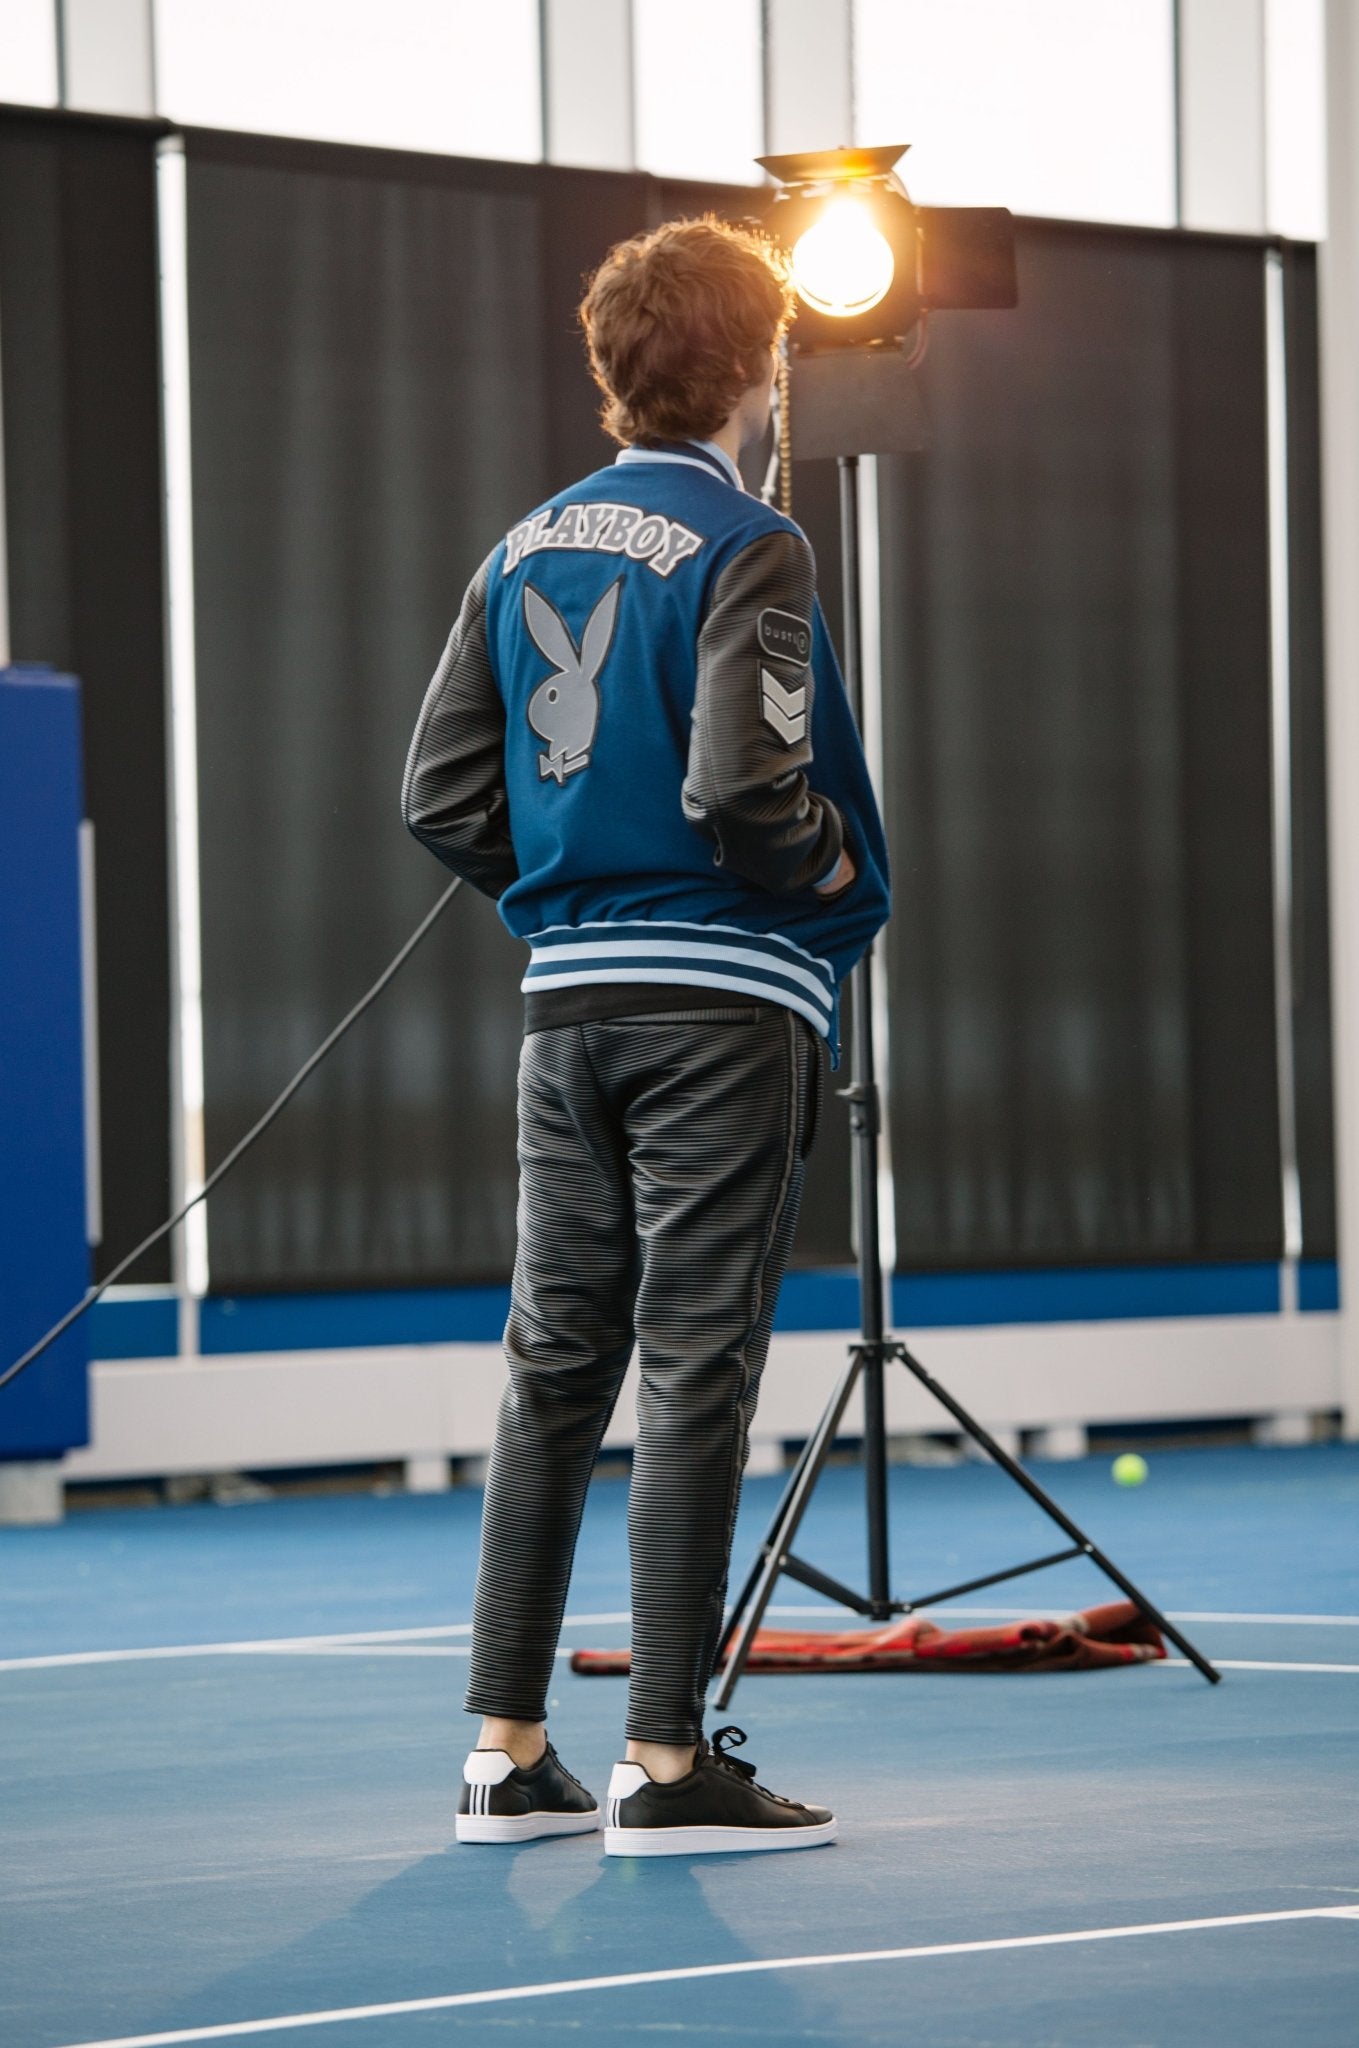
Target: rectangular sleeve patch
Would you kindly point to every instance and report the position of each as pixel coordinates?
(784, 635)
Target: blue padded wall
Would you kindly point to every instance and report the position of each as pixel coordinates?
(44, 1259)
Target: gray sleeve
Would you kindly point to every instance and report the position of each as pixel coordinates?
(453, 798)
(746, 789)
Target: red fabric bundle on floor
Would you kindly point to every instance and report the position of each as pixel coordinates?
(1101, 1636)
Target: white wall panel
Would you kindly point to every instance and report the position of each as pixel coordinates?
(109, 67)
(1222, 115)
(700, 91)
(295, 1408)
(451, 75)
(28, 52)
(809, 74)
(588, 55)
(1060, 107)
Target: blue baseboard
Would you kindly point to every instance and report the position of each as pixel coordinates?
(1084, 1294)
(1319, 1285)
(146, 1326)
(134, 1327)
(322, 1322)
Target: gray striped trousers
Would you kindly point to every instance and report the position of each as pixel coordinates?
(660, 1169)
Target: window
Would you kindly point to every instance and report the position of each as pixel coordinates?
(1295, 118)
(700, 94)
(448, 75)
(28, 52)
(1060, 107)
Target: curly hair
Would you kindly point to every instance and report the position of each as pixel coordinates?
(679, 322)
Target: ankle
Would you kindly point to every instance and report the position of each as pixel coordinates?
(523, 1741)
(663, 1762)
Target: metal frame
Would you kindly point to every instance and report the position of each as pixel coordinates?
(1281, 769)
(1338, 259)
(188, 1155)
(870, 690)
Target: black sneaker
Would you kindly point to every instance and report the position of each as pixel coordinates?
(502, 1803)
(717, 1807)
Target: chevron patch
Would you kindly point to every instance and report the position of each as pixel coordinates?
(785, 710)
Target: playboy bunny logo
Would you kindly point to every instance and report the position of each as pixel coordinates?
(565, 709)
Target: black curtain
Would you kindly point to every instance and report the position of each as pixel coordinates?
(83, 522)
(1076, 652)
(370, 410)
(386, 373)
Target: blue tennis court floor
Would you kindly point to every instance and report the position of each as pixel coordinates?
(231, 1750)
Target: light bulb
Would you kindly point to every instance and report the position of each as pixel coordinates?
(843, 264)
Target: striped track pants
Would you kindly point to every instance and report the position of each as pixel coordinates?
(660, 1169)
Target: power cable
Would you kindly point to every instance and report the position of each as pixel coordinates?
(242, 1145)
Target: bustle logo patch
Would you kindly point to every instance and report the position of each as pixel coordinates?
(784, 635)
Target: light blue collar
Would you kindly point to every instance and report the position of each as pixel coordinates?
(698, 454)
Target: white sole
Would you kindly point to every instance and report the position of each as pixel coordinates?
(713, 1841)
(523, 1827)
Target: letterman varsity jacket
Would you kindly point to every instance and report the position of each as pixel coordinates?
(638, 741)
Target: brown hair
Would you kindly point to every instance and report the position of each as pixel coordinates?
(679, 323)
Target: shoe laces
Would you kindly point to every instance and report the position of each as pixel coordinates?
(723, 1743)
(570, 1776)
(726, 1740)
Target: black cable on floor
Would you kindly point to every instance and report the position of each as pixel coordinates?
(242, 1145)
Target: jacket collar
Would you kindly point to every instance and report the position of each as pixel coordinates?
(700, 454)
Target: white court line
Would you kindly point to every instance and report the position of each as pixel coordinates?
(286, 1645)
(262, 1647)
(1250, 1664)
(234, 2029)
(465, 1650)
(274, 1645)
(1172, 1614)
(1278, 1620)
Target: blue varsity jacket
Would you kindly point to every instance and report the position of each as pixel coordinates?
(639, 742)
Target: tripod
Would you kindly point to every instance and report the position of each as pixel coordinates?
(874, 1349)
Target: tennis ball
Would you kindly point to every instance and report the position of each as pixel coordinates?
(1129, 1470)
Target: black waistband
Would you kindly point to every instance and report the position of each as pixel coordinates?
(547, 1008)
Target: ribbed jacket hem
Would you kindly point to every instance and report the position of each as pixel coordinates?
(767, 968)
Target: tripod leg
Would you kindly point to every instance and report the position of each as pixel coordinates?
(772, 1541)
(875, 1485)
(768, 1566)
(1057, 1515)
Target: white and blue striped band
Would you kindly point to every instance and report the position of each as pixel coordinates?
(772, 970)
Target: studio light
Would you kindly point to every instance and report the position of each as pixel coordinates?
(843, 264)
(867, 262)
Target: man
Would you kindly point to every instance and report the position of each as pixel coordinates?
(616, 747)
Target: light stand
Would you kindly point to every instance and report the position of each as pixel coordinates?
(874, 1349)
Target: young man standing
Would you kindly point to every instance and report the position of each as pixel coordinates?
(639, 743)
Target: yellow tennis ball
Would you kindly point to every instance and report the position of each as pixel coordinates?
(1129, 1470)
